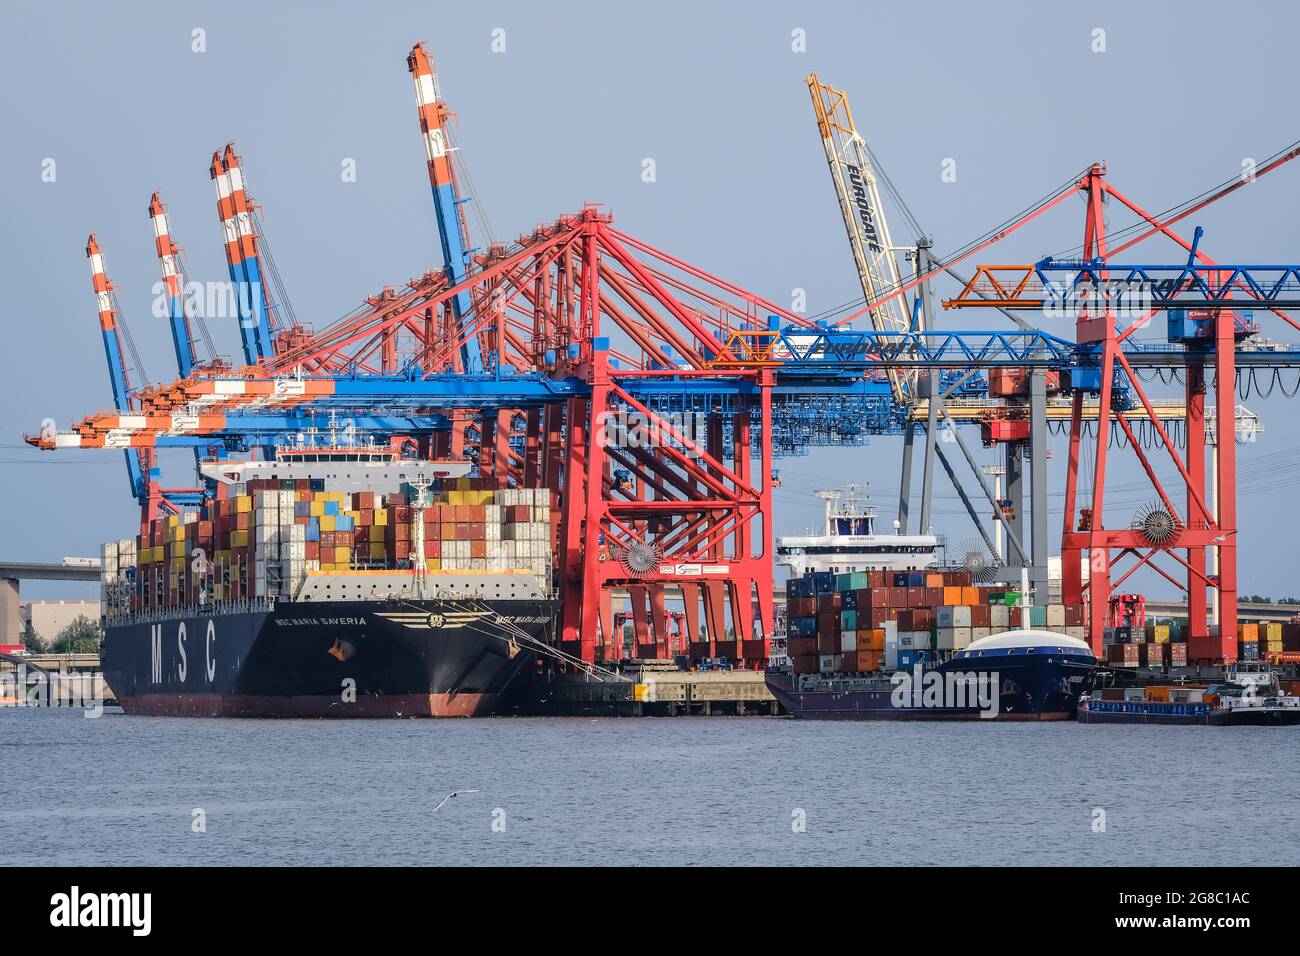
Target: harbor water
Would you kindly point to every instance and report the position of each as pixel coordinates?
(691, 790)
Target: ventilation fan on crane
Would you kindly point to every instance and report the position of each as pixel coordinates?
(640, 558)
(1154, 522)
(975, 558)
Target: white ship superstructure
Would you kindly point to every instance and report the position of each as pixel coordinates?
(850, 541)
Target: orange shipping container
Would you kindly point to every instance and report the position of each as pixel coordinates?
(970, 595)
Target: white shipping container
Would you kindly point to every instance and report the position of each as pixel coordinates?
(953, 638)
(953, 615)
(1000, 617)
(977, 632)
(1055, 615)
(1076, 631)
(287, 500)
(848, 641)
(911, 641)
(829, 663)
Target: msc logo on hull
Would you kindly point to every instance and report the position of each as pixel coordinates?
(182, 662)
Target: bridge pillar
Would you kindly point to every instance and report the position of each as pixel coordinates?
(11, 624)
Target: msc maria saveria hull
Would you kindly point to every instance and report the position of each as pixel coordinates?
(405, 658)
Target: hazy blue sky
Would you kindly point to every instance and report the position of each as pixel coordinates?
(583, 93)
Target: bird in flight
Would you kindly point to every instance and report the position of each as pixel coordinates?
(454, 793)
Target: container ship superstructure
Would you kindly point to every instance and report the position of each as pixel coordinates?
(337, 579)
(849, 541)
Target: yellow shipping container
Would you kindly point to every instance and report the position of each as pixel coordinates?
(455, 497)
(239, 539)
(376, 533)
(243, 504)
(173, 520)
(317, 508)
(381, 517)
(343, 555)
(377, 550)
(1162, 634)
(327, 522)
(432, 564)
(1273, 631)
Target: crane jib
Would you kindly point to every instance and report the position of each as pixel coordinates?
(865, 214)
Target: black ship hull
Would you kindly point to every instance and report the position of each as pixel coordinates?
(324, 659)
(1027, 688)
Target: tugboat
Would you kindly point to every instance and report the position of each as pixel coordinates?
(1250, 696)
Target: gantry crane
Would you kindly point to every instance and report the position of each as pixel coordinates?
(593, 324)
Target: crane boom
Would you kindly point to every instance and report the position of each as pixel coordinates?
(864, 217)
(452, 231)
(173, 287)
(137, 461)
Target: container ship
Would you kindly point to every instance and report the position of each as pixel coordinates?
(337, 580)
(927, 644)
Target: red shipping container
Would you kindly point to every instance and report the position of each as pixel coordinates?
(981, 615)
(934, 595)
(849, 662)
(897, 598)
(801, 646)
(828, 622)
(1074, 615)
(828, 602)
(806, 664)
(478, 549)
(432, 549)
(313, 551)
(915, 597)
(922, 620)
(828, 643)
(401, 550)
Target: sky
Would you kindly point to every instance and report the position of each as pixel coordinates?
(1015, 98)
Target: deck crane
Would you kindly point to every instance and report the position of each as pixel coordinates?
(874, 253)
(453, 233)
(173, 277)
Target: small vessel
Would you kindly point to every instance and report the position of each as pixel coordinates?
(1249, 696)
(850, 541)
(1013, 675)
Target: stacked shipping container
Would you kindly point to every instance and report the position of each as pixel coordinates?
(264, 539)
(866, 621)
(1156, 645)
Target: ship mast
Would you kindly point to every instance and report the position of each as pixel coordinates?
(828, 497)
